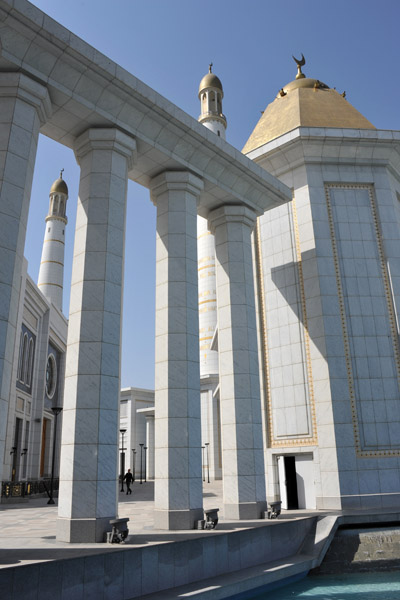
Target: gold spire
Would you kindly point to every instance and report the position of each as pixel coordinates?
(299, 63)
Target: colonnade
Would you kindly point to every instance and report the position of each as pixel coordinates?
(88, 470)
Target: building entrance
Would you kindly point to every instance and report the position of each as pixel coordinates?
(296, 481)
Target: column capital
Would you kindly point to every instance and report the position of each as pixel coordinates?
(18, 85)
(175, 180)
(231, 213)
(105, 139)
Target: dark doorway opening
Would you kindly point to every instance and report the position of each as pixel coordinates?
(291, 482)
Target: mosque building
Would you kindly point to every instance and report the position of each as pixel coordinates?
(327, 269)
(38, 365)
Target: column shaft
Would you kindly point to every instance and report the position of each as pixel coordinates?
(178, 484)
(242, 445)
(24, 105)
(88, 471)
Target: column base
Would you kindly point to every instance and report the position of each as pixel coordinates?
(177, 519)
(81, 531)
(245, 510)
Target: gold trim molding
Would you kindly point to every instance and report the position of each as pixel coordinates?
(343, 317)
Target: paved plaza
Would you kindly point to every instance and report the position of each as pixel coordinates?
(28, 531)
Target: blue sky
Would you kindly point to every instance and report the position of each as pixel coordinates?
(351, 45)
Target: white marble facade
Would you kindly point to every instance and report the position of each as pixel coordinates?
(330, 315)
(302, 273)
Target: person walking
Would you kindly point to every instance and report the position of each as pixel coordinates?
(128, 477)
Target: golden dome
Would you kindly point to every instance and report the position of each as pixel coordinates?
(210, 81)
(59, 186)
(306, 82)
(304, 102)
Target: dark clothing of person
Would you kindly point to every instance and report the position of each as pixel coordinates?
(128, 477)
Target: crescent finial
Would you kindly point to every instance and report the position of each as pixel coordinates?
(299, 63)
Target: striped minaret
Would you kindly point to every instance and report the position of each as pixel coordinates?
(212, 117)
(51, 272)
(207, 298)
(210, 96)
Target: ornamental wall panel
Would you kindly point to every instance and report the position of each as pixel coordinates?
(367, 317)
(287, 362)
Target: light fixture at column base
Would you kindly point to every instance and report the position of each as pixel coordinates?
(177, 519)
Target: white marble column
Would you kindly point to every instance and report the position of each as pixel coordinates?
(24, 106)
(150, 447)
(89, 452)
(242, 444)
(178, 483)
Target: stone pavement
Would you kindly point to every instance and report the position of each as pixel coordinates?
(28, 530)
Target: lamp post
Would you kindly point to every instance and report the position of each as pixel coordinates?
(122, 464)
(145, 476)
(208, 462)
(203, 463)
(13, 453)
(141, 464)
(56, 411)
(133, 463)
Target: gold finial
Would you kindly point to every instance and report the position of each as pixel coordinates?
(61, 172)
(299, 63)
(210, 66)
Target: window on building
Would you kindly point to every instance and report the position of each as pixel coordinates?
(30, 363)
(20, 404)
(20, 357)
(24, 358)
(124, 408)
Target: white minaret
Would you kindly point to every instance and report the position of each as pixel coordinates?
(51, 272)
(210, 95)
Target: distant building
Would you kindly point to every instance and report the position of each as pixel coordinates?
(137, 425)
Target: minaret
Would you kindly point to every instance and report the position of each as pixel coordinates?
(51, 272)
(210, 95)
